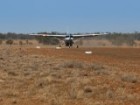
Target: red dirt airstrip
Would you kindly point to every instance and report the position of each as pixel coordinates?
(124, 58)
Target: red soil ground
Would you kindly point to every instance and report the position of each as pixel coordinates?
(120, 83)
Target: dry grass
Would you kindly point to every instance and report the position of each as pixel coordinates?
(73, 65)
(104, 43)
(43, 77)
(130, 78)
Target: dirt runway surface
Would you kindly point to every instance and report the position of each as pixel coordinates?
(48, 76)
(124, 58)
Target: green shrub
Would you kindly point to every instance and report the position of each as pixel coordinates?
(10, 42)
(48, 40)
(0, 41)
(121, 41)
(20, 42)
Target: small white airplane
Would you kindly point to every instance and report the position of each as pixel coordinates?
(68, 38)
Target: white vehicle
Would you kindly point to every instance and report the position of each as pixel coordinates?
(68, 38)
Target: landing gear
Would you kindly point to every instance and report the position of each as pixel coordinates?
(77, 46)
(69, 45)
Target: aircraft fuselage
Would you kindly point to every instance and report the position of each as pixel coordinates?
(69, 40)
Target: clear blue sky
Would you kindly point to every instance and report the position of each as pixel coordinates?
(27, 16)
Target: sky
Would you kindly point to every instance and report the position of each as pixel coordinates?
(31, 16)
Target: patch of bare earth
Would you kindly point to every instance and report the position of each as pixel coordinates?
(46, 76)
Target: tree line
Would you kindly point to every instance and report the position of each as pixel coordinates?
(115, 38)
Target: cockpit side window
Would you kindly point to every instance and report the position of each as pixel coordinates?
(67, 36)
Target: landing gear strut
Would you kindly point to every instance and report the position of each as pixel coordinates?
(77, 46)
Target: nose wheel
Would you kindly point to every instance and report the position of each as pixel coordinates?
(70, 45)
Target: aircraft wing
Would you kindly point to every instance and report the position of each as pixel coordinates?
(45, 35)
(87, 35)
